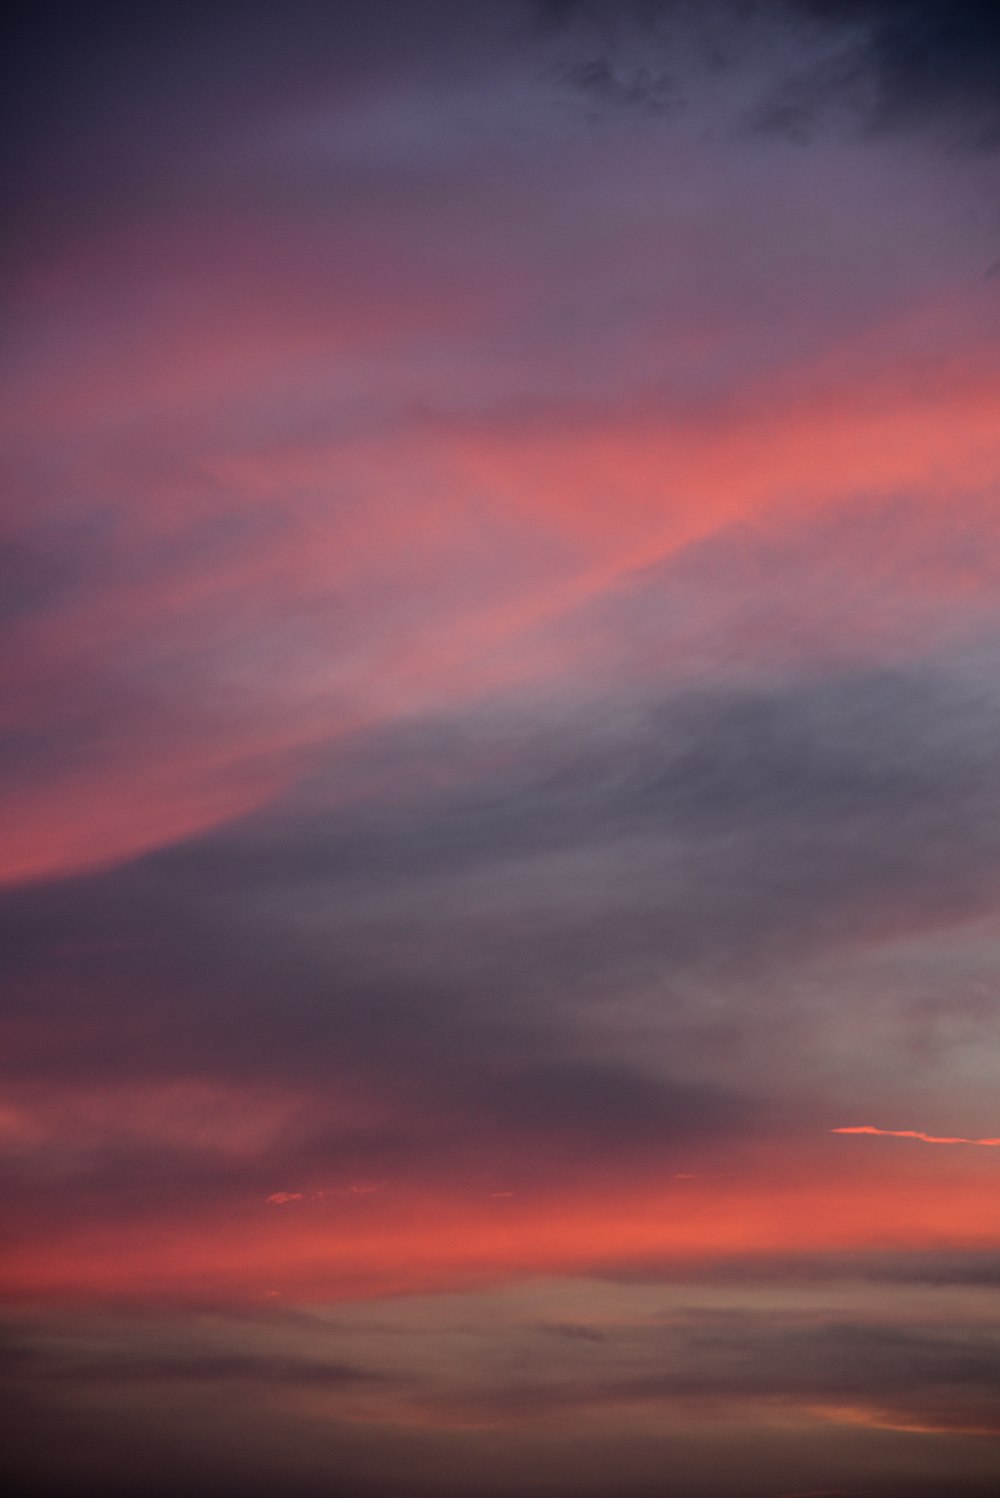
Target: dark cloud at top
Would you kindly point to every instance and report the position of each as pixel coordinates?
(900, 62)
(111, 109)
(927, 55)
(101, 98)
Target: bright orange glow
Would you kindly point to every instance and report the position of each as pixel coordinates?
(396, 1241)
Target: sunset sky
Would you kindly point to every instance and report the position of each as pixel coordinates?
(500, 749)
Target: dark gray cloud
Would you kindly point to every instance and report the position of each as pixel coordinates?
(703, 1370)
(753, 822)
(754, 825)
(927, 56)
(24, 1360)
(896, 65)
(970, 1268)
(107, 113)
(96, 95)
(723, 1353)
(448, 949)
(895, 62)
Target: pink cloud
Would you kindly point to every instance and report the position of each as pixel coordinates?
(914, 1134)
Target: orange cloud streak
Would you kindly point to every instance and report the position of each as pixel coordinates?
(915, 1134)
(875, 1419)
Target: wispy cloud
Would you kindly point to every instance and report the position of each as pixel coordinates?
(915, 1134)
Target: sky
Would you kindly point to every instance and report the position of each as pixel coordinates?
(500, 874)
